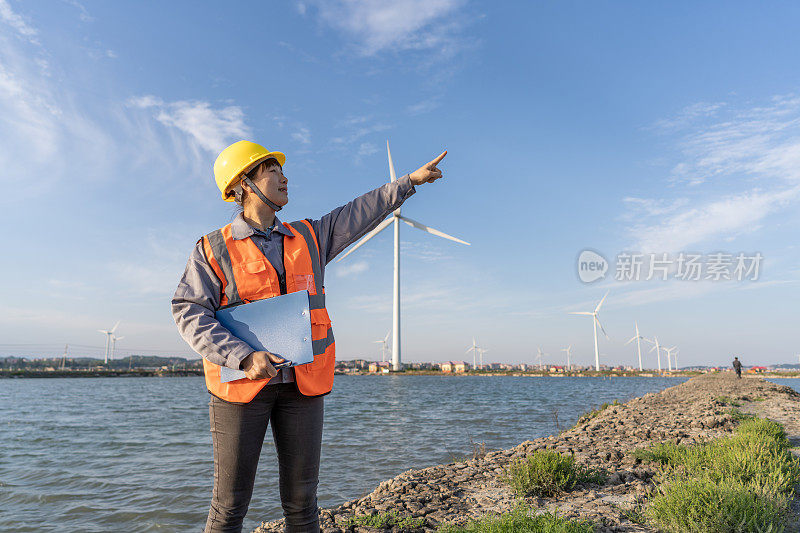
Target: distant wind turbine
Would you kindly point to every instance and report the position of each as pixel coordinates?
(638, 339)
(395, 219)
(114, 340)
(595, 323)
(64, 358)
(540, 354)
(568, 349)
(109, 334)
(672, 361)
(475, 352)
(481, 351)
(384, 345)
(657, 348)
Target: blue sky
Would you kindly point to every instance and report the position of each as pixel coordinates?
(612, 126)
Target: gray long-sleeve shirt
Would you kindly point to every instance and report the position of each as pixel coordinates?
(199, 291)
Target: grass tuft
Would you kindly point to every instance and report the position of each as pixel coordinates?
(520, 521)
(738, 483)
(548, 473)
(585, 417)
(385, 520)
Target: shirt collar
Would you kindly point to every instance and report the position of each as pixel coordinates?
(241, 229)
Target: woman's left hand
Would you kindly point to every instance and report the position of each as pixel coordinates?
(428, 173)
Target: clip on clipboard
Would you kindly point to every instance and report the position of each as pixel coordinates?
(279, 325)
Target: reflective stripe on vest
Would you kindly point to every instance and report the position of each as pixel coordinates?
(247, 275)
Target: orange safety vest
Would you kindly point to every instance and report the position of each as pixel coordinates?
(247, 275)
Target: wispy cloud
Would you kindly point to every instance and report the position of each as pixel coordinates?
(754, 152)
(375, 26)
(212, 129)
(351, 269)
(17, 22)
(303, 136)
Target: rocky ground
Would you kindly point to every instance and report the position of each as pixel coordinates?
(457, 492)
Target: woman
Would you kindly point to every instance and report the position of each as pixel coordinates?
(255, 257)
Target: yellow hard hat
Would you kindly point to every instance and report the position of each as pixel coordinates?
(238, 159)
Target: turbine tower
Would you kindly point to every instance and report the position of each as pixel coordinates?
(638, 339)
(108, 334)
(595, 323)
(395, 219)
(568, 349)
(384, 341)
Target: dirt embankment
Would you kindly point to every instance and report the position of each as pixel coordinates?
(699, 409)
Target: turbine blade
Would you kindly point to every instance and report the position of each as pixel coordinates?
(391, 163)
(386, 338)
(432, 231)
(630, 341)
(601, 327)
(115, 327)
(380, 227)
(596, 309)
(581, 313)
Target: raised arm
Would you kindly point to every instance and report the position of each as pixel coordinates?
(346, 224)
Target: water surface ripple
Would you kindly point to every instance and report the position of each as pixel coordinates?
(134, 454)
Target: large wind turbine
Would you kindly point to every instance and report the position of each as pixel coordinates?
(384, 341)
(108, 334)
(568, 349)
(595, 323)
(638, 338)
(395, 219)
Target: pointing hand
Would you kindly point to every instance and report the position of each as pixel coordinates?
(428, 173)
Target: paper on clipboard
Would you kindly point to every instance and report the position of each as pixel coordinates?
(279, 325)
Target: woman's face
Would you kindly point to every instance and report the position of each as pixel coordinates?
(270, 179)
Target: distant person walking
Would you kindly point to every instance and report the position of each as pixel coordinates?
(255, 257)
(737, 366)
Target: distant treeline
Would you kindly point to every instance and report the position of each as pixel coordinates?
(125, 363)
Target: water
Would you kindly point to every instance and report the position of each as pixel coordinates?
(789, 382)
(134, 454)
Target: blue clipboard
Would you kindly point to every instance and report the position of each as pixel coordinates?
(279, 325)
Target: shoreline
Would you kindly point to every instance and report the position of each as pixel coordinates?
(697, 410)
(94, 373)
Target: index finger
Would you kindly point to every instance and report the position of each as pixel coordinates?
(436, 161)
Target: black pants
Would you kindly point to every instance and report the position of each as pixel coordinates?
(238, 431)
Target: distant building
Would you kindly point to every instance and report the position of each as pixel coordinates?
(757, 369)
(455, 367)
(557, 369)
(382, 367)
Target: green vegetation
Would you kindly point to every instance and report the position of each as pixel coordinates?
(585, 417)
(385, 519)
(547, 473)
(738, 483)
(739, 416)
(520, 521)
(727, 400)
